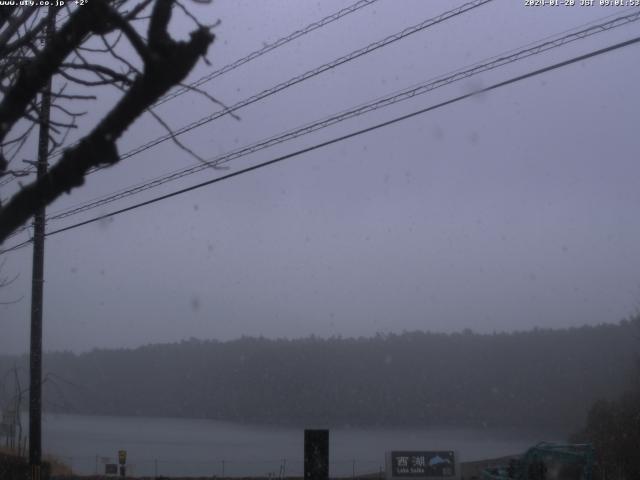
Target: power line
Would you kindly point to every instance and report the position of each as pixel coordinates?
(420, 89)
(307, 75)
(18, 246)
(494, 62)
(269, 47)
(513, 55)
(304, 76)
(248, 58)
(342, 138)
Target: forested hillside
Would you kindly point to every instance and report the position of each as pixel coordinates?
(539, 378)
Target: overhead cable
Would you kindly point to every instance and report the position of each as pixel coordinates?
(406, 94)
(267, 48)
(252, 56)
(304, 76)
(342, 138)
(310, 74)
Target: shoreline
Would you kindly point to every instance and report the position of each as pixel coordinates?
(61, 471)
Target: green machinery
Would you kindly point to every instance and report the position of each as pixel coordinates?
(547, 461)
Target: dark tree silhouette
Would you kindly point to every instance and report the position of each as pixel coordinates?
(535, 380)
(613, 426)
(27, 66)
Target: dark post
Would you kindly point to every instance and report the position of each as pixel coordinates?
(37, 280)
(316, 454)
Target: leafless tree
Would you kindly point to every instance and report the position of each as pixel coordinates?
(5, 281)
(84, 53)
(11, 420)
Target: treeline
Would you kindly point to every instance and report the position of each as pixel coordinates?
(538, 378)
(613, 428)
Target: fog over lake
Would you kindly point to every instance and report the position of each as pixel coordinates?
(199, 447)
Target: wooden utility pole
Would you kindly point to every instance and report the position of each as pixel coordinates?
(37, 281)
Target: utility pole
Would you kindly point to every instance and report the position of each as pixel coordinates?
(37, 280)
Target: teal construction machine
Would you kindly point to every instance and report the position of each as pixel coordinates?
(547, 461)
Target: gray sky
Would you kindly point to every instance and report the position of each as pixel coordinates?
(512, 209)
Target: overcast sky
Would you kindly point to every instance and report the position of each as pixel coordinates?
(511, 209)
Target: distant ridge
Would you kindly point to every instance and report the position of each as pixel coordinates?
(536, 379)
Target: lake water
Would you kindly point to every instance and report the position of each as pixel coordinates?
(172, 446)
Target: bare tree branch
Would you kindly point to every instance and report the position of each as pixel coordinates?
(174, 138)
(213, 99)
(5, 282)
(24, 40)
(133, 14)
(14, 24)
(101, 69)
(166, 64)
(34, 75)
